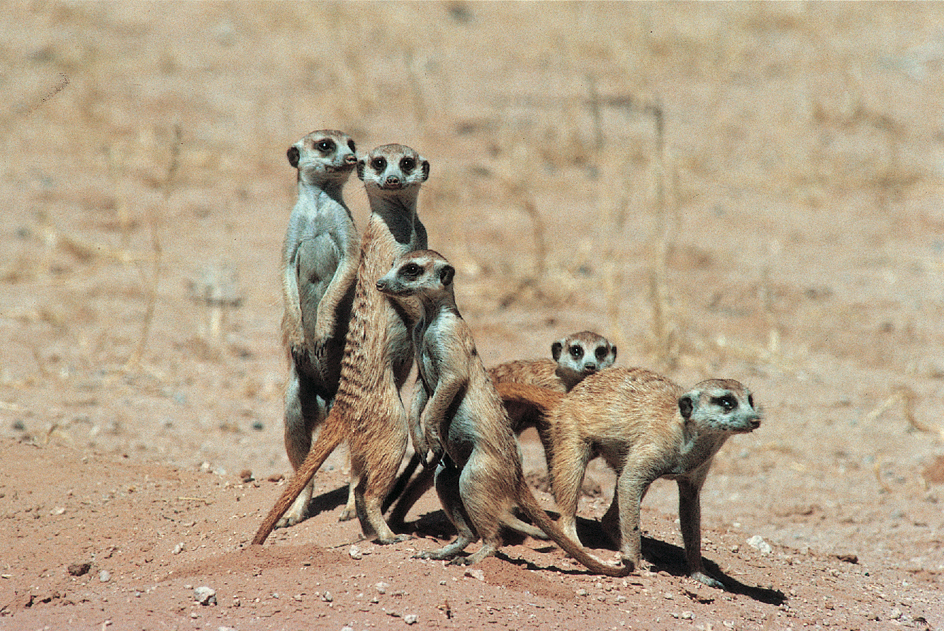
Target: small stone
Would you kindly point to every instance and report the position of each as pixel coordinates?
(347, 628)
(355, 553)
(478, 575)
(382, 587)
(178, 548)
(104, 576)
(687, 615)
(79, 569)
(245, 476)
(757, 542)
(582, 592)
(410, 618)
(205, 595)
(327, 597)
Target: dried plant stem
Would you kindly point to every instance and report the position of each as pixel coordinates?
(138, 353)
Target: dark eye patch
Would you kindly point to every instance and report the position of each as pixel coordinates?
(407, 164)
(576, 351)
(412, 270)
(601, 352)
(378, 164)
(325, 145)
(726, 402)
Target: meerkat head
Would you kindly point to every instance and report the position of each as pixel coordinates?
(582, 354)
(323, 156)
(721, 405)
(392, 168)
(424, 273)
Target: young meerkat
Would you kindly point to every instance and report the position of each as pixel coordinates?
(319, 264)
(646, 427)
(574, 357)
(378, 352)
(457, 413)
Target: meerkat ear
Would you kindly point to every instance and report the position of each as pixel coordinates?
(425, 165)
(446, 275)
(686, 405)
(360, 168)
(556, 349)
(293, 156)
(614, 351)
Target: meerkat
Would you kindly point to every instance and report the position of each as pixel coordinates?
(458, 415)
(378, 353)
(319, 264)
(646, 427)
(574, 357)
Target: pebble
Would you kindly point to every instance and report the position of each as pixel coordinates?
(757, 542)
(205, 595)
(382, 587)
(327, 597)
(104, 576)
(411, 618)
(178, 548)
(78, 569)
(476, 574)
(355, 553)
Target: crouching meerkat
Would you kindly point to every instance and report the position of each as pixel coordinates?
(646, 427)
(319, 264)
(574, 357)
(378, 352)
(458, 414)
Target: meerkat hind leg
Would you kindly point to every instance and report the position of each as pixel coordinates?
(375, 482)
(303, 413)
(447, 487)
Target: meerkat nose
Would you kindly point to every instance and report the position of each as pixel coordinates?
(381, 285)
(755, 423)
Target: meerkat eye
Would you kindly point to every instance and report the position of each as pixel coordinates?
(325, 145)
(412, 270)
(576, 351)
(727, 402)
(601, 353)
(378, 164)
(407, 164)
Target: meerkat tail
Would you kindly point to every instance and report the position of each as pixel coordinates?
(529, 504)
(544, 399)
(332, 434)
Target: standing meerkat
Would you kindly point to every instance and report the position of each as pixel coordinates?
(574, 357)
(458, 415)
(319, 264)
(378, 352)
(646, 427)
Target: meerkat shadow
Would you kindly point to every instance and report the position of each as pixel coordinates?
(327, 501)
(433, 524)
(670, 558)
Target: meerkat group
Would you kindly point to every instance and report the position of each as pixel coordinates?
(355, 316)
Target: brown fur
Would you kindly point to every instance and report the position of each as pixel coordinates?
(646, 427)
(378, 352)
(458, 415)
(575, 357)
